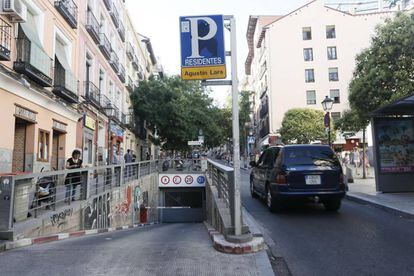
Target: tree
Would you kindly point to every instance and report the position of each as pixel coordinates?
(385, 71)
(244, 117)
(351, 121)
(302, 125)
(179, 109)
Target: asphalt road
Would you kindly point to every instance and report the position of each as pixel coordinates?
(358, 240)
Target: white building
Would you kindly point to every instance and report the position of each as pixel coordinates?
(296, 60)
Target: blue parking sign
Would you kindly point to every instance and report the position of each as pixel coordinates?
(203, 54)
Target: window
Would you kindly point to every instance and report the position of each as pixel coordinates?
(333, 74)
(307, 33)
(310, 97)
(330, 32)
(43, 146)
(335, 116)
(309, 75)
(334, 94)
(332, 53)
(101, 80)
(308, 54)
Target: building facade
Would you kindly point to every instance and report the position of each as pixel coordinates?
(63, 83)
(298, 59)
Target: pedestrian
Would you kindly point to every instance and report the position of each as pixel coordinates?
(134, 156)
(73, 179)
(345, 160)
(356, 160)
(128, 156)
(147, 156)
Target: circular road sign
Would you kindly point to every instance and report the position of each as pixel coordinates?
(189, 179)
(177, 180)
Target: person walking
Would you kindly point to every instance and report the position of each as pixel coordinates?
(128, 159)
(357, 159)
(73, 179)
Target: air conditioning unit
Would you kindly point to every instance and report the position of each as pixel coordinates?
(15, 9)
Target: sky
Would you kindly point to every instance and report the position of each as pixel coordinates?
(158, 19)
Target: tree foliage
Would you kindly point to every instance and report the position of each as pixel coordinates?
(179, 109)
(302, 125)
(385, 71)
(244, 117)
(351, 121)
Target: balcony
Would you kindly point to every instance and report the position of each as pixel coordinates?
(105, 46)
(140, 74)
(114, 15)
(92, 94)
(264, 128)
(105, 102)
(108, 4)
(121, 73)
(123, 118)
(114, 62)
(5, 40)
(93, 27)
(113, 113)
(121, 31)
(139, 128)
(32, 61)
(69, 11)
(129, 121)
(135, 63)
(130, 51)
(264, 110)
(130, 85)
(65, 84)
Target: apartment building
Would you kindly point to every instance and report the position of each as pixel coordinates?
(295, 60)
(63, 83)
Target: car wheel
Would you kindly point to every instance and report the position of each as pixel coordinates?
(332, 205)
(252, 192)
(272, 204)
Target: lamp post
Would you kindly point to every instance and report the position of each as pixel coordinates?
(327, 104)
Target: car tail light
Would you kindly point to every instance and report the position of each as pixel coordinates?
(281, 179)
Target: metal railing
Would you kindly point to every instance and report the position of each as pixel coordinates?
(121, 73)
(130, 84)
(105, 45)
(115, 15)
(114, 62)
(183, 165)
(222, 177)
(37, 193)
(130, 51)
(105, 102)
(69, 10)
(5, 40)
(121, 31)
(108, 4)
(65, 80)
(92, 26)
(92, 94)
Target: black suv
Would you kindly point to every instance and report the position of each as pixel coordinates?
(296, 172)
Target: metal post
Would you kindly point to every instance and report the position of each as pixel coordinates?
(236, 131)
(329, 129)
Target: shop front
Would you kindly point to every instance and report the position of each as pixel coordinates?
(88, 141)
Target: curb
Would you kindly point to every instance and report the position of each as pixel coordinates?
(63, 236)
(220, 243)
(393, 210)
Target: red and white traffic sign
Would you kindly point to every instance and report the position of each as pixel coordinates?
(189, 179)
(177, 179)
(165, 180)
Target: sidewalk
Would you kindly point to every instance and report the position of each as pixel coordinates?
(363, 191)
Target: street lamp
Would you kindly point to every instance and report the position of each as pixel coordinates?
(327, 104)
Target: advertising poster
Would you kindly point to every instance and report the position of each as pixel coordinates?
(396, 146)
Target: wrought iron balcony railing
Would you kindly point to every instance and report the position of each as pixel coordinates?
(65, 84)
(105, 46)
(135, 63)
(69, 11)
(33, 61)
(121, 73)
(114, 62)
(130, 51)
(105, 102)
(5, 40)
(108, 4)
(92, 94)
(130, 84)
(93, 27)
(121, 31)
(114, 15)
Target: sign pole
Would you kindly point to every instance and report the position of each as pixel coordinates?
(236, 129)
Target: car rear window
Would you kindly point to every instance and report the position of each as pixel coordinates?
(317, 156)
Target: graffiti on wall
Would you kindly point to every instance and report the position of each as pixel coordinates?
(61, 218)
(123, 207)
(97, 213)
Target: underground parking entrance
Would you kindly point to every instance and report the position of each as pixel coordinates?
(182, 198)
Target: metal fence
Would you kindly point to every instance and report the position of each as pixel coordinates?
(222, 177)
(177, 165)
(37, 193)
